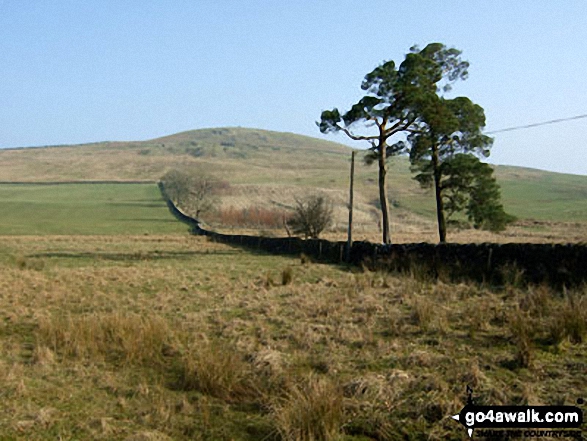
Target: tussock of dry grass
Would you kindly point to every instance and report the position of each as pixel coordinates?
(570, 320)
(286, 276)
(523, 334)
(119, 337)
(217, 369)
(427, 315)
(310, 411)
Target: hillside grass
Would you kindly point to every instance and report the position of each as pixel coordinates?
(84, 209)
(531, 194)
(175, 337)
(269, 168)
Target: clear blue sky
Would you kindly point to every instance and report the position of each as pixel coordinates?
(85, 71)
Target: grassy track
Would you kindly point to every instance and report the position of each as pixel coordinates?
(84, 209)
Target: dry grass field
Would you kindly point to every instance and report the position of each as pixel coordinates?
(174, 337)
(408, 229)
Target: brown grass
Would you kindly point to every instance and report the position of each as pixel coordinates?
(522, 334)
(310, 411)
(250, 217)
(287, 276)
(569, 321)
(117, 337)
(217, 369)
(197, 340)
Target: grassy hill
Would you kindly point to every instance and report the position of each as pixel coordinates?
(230, 150)
(268, 169)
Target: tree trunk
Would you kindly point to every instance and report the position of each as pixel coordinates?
(383, 192)
(438, 193)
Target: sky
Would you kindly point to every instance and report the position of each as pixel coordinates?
(76, 72)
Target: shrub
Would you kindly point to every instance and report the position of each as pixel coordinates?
(312, 215)
(194, 191)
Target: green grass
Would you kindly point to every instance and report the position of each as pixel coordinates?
(72, 209)
(542, 195)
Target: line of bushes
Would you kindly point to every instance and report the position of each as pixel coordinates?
(497, 264)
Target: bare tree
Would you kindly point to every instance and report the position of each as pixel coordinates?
(312, 215)
(194, 192)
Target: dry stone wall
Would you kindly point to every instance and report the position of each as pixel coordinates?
(496, 264)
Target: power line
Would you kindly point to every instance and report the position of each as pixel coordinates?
(528, 126)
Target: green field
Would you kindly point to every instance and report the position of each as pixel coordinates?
(84, 209)
(123, 209)
(534, 194)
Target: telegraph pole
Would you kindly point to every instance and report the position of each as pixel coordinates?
(350, 230)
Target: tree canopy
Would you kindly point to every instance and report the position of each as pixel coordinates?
(397, 99)
(445, 153)
(410, 99)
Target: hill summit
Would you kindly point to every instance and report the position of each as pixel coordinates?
(148, 160)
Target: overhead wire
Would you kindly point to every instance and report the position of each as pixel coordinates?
(529, 126)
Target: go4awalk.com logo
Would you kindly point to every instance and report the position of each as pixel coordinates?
(530, 418)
